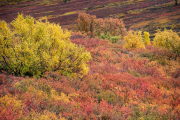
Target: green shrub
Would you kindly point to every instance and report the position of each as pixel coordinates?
(32, 47)
(105, 36)
(115, 39)
(108, 36)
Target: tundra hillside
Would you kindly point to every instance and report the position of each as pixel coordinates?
(144, 15)
(116, 61)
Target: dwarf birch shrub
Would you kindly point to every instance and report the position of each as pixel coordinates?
(133, 40)
(168, 39)
(32, 47)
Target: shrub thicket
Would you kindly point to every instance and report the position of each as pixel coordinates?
(89, 24)
(86, 23)
(32, 47)
(115, 27)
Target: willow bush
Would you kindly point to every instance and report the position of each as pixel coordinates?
(32, 47)
(146, 38)
(166, 39)
(134, 40)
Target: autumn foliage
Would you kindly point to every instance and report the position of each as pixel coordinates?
(90, 25)
(166, 39)
(134, 40)
(146, 38)
(32, 47)
(122, 83)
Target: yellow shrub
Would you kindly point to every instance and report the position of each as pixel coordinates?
(32, 47)
(8, 99)
(166, 39)
(63, 97)
(133, 40)
(146, 38)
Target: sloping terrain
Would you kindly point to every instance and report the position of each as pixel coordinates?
(121, 84)
(147, 15)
